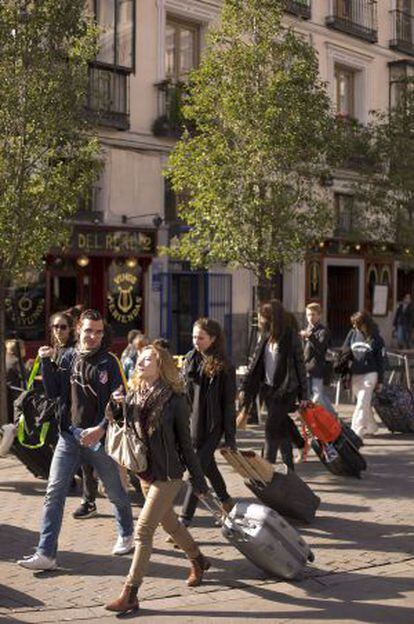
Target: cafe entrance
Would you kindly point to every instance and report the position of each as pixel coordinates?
(104, 268)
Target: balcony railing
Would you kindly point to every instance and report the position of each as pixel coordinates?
(355, 17)
(108, 97)
(402, 32)
(301, 8)
(170, 121)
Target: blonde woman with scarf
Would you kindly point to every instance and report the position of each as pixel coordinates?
(158, 404)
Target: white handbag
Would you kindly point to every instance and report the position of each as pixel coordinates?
(124, 445)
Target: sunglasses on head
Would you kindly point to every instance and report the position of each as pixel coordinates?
(58, 326)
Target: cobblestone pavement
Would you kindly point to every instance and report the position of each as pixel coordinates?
(363, 532)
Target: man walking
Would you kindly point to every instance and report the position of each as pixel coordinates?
(404, 321)
(316, 341)
(83, 382)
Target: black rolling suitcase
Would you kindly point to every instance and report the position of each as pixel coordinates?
(283, 491)
(341, 457)
(288, 495)
(395, 406)
(350, 435)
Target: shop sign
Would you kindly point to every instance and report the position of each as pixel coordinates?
(114, 242)
(125, 304)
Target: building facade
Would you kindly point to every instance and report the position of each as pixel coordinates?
(136, 84)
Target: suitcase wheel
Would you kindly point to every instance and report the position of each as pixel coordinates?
(311, 557)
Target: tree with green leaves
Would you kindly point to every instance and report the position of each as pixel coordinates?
(48, 155)
(384, 185)
(251, 175)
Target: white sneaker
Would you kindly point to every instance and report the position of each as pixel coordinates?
(38, 562)
(124, 545)
(8, 433)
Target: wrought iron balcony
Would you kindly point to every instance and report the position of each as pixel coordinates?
(354, 17)
(170, 121)
(301, 8)
(402, 32)
(108, 97)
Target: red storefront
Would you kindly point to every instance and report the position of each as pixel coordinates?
(104, 267)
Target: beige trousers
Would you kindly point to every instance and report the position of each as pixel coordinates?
(158, 509)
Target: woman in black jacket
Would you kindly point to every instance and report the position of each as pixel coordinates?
(366, 367)
(211, 387)
(158, 406)
(277, 370)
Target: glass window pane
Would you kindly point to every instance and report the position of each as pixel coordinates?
(187, 50)
(170, 68)
(125, 33)
(106, 20)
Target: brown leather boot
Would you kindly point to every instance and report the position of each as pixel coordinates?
(127, 601)
(227, 505)
(197, 569)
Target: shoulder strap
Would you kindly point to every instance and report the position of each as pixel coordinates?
(33, 373)
(121, 370)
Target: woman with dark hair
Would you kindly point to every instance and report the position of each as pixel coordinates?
(62, 334)
(277, 370)
(211, 387)
(366, 368)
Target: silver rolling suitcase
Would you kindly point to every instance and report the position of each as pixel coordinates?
(264, 537)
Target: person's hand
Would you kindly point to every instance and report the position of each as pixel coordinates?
(91, 436)
(45, 352)
(231, 446)
(304, 404)
(118, 395)
(304, 333)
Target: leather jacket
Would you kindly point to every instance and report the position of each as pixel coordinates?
(169, 445)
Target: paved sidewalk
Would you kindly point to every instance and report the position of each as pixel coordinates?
(363, 539)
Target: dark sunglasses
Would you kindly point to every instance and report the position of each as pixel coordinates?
(57, 326)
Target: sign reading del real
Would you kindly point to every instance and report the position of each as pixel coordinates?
(110, 241)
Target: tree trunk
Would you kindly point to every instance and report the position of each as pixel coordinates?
(3, 388)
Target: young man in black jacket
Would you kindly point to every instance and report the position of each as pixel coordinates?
(83, 382)
(316, 340)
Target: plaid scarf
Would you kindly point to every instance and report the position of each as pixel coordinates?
(149, 403)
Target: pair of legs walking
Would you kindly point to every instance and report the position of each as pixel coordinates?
(205, 454)
(363, 420)
(66, 460)
(279, 431)
(158, 509)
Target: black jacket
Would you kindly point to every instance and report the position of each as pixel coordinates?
(314, 351)
(103, 376)
(289, 381)
(219, 400)
(367, 352)
(170, 451)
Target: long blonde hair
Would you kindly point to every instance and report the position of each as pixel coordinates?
(168, 370)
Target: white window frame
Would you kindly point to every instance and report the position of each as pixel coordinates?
(361, 64)
(189, 10)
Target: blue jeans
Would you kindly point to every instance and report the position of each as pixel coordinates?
(317, 394)
(68, 456)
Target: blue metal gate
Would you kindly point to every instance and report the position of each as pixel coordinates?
(187, 295)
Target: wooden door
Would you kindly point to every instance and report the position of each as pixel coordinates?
(342, 300)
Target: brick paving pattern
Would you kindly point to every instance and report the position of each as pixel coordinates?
(361, 524)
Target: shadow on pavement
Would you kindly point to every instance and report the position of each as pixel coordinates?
(355, 598)
(12, 598)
